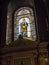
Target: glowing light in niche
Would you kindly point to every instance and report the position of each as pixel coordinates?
(28, 27)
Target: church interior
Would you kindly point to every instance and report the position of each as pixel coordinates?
(24, 32)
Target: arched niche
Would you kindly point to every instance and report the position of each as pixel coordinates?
(14, 7)
(24, 17)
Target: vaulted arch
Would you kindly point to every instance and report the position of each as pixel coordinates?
(16, 15)
(24, 17)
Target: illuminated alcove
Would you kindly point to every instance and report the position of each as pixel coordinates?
(22, 22)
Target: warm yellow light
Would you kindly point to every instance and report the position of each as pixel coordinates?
(24, 28)
(29, 38)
